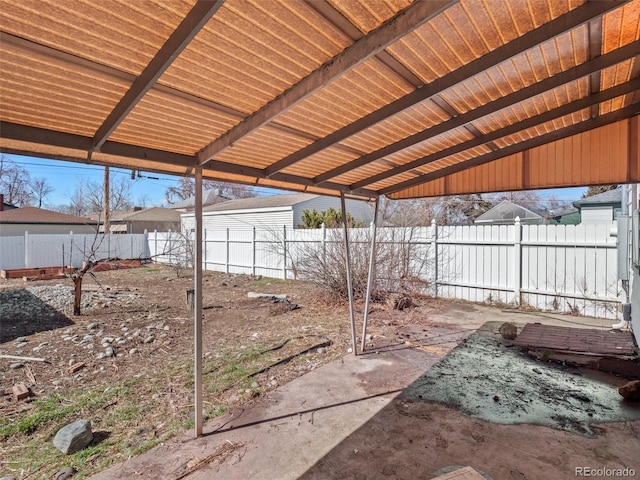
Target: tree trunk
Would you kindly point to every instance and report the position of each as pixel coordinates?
(77, 284)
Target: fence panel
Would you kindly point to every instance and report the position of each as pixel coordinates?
(563, 268)
(12, 253)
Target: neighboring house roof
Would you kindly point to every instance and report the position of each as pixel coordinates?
(209, 197)
(507, 211)
(154, 214)
(7, 206)
(270, 201)
(31, 215)
(608, 198)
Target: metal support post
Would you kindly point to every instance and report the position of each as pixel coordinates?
(348, 267)
(372, 254)
(197, 330)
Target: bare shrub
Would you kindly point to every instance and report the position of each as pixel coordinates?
(399, 260)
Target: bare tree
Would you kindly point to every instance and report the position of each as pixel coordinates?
(186, 188)
(450, 210)
(596, 189)
(40, 188)
(87, 197)
(14, 183)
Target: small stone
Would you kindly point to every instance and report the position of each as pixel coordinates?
(508, 331)
(15, 366)
(109, 352)
(205, 415)
(149, 339)
(124, 329)
(133, 351)
(630, 390)
(100, 356)
(21, 340)
(320, 350)
(107, 340)
(166, 327)
(92, 326)
(73, 437)
(349, 350)
(496, 398)
(65, 473)
(255, 385)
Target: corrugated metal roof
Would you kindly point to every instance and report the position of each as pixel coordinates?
(363, 97)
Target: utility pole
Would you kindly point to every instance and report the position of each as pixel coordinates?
(106, 212)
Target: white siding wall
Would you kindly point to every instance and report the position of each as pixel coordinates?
(263, 219)
(359, 210)
(596, 215)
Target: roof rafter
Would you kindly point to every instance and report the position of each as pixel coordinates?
(192, 23)
(529, 40)
(393, 29)
(572, 74)
(78, 142)
(590, 124)
(530, 122)
(43, 136)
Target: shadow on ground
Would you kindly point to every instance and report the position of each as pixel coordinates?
(17, 321)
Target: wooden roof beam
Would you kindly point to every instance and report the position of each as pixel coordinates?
(579, 71)
(530, 122)
(192, 23)
(390, 31)
(43, 136)
(549, 30)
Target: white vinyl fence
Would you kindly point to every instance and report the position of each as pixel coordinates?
(53, 250)
(563, 268)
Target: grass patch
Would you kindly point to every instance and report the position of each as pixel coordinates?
(56, 408)
(268, 281)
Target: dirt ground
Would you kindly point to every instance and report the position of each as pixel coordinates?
(140, 395)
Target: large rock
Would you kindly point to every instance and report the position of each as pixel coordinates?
(73, 437)
(508, 331)
(631, 390)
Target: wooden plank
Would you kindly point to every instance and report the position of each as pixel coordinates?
(20, 392)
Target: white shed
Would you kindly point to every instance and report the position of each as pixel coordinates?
(274, 211)
(602, 208)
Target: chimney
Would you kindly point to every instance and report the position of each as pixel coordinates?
(1, 202)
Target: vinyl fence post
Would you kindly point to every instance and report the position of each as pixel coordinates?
(284, 252)
(155, 244)
(253, 252)
(70, 249)
(517, 263)
(323, 229)
(434, 241)
(26, 249)
(227, 245)
(204, 248)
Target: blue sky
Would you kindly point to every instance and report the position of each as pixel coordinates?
(64, 176)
